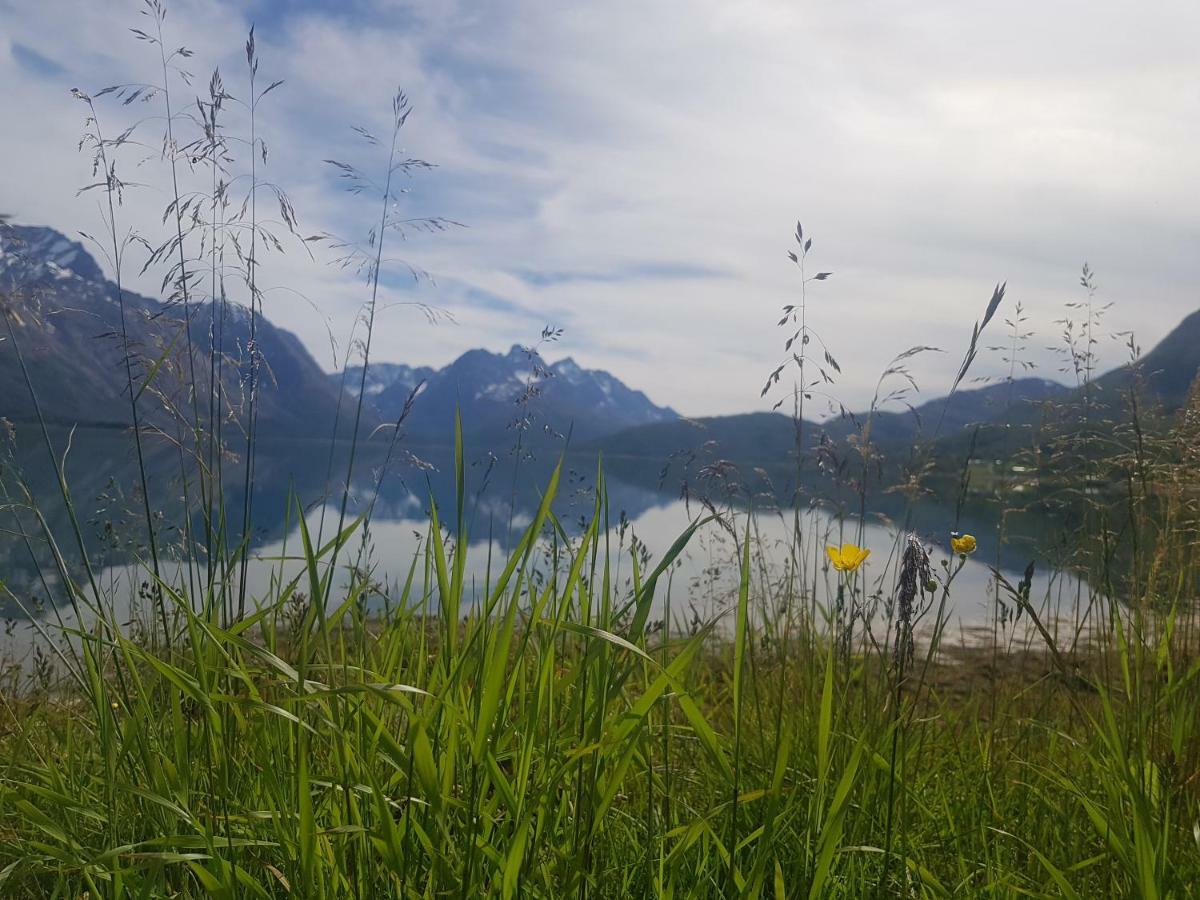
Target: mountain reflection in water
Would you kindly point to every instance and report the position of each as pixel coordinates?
(645, 509)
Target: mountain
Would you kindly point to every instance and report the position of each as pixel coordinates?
(771, 437)
(494, 390)
(395, 377)
(1168, 371)
(66, 319)
(944, 416)
(1165, 375)
(759, 437)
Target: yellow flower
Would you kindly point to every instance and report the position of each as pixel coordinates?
(962, 543)
(847, 557)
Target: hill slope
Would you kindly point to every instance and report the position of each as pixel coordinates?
(1166, 372)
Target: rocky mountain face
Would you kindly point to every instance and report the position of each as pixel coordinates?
(67, 325)
(66, 321)
(497, 391)
(396, 378)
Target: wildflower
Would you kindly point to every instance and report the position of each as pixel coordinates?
(962, 543)
(847, 557)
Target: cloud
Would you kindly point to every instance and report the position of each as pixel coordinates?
(633, 171)
(34, 62)
(652, 271)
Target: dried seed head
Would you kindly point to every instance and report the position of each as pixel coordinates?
(914, 574)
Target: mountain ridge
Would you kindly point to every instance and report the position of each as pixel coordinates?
(1166, 373)
(496, 391)
(66, 316)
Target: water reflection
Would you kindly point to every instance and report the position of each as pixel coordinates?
(645, 514)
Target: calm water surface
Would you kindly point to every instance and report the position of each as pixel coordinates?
(645, 510)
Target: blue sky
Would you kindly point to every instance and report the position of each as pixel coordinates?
(633, 171)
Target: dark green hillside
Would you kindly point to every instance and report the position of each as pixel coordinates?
(1167, 371)
(749, 438)
(1010, 413)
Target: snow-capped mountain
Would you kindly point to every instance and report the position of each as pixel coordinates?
(67, 324)
(67, 319)
(30, 256)
(495, 391)
(383, 377)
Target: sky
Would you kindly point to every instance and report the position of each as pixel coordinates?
(633, 172)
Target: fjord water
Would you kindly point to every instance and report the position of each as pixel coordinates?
(646, 512)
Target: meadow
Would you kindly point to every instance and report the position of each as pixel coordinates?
(557, 740)
(569, 727)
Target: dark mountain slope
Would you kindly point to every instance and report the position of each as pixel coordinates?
(1168, 370)
(66, 318)
(1166, 373)
(945, 416)
(762, 438)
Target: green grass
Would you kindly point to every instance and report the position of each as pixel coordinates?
(547, 736)
(550, 742)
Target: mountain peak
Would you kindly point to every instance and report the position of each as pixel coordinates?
(32, 253)
(72, 318)
(493, 390)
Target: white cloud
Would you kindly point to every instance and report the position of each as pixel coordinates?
(932, 149)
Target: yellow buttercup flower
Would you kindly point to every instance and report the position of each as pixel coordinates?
(847, 557)
(962, 543)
